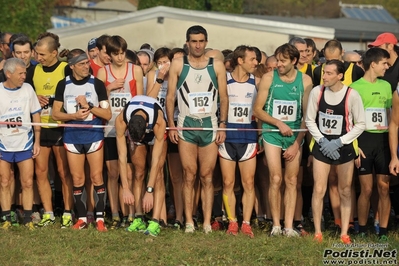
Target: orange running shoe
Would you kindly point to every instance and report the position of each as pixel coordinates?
(346, 239)
(101, 226)
(233, 228)
(247, 230)
(318, 237)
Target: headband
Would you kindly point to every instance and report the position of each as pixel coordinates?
(77, 59)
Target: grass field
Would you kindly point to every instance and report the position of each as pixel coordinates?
(53, 246)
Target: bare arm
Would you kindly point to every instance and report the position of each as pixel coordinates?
(36, 130)
(263, 92)
(223, 99)
(120, 127)
(138, 73)
(174, 72)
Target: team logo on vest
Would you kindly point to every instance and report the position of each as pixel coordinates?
(13, 109)
(278, 86)
(329, 111)
(47, 86)
(198, 79)
(249, 95)
(293, 89)
(88, 94)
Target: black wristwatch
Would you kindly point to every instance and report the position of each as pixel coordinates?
(160, 81)
(150, 189)
(91, 105)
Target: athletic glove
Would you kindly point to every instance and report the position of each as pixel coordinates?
(331, 149)
(323, 142)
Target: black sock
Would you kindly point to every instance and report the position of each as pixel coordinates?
(217, 204)
(13, 207)
(383, 231)
(362, 228)
(296, 223)
(155, 220)
(99, 199)
(80, 196)
(58, 199)
(36, 208)
(27, 216)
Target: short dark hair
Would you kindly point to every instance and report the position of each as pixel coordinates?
(136, 127)
(21, 41)
(115, 44)
(102, 41)
(331, 45)
(162, 52)
(311, 43)
(177, 50)
(132, 57)
(340, 66)
(74, 52)
(288, 50)
(196, 29)
(239, 52)
(375, 55)
(50, 39)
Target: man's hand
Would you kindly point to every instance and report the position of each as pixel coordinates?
(394, 166)
(82, 114)
(359, 158)
(43, 100)
(220, 137)
(285, 130)
(36, 150)
(148, 202)
(173, 136)
(290, 153)
(116, 84)
(128, 197)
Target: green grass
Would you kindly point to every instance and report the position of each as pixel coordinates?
(53, 246)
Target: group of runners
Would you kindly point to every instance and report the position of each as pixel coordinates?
(237, 130)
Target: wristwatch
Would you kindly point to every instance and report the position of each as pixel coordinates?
(91, 105)
(160, 81)
(150, 189)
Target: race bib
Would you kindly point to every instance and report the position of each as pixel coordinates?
(118, 101)
(10, 129)
(200, 102)
(240, 113)
(376, 118)
(285, 111)
(330, 124)
(47, 109)
(161, 97)
(74, 107)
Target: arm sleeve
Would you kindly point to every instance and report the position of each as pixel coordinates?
(100, 90)
(358, 116)
(59, 91)
(311, 113)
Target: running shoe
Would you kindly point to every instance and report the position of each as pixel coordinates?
(346, 239)
(300, 230)
(207, 229)
(79, 225)
(46, 220)
(162, 224)
(233, 228)
(318, 237)
(138, 225)
(100, 226)
(124, 222)
(30, 226)
(247, 230)
(115, 224)
(189, 228)
(289, 232)
(276, 231)
(177, 225)
(66, 221)
(14, 219)
(35, 217)
(153, 229)
(5, 225)
(217, 225)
